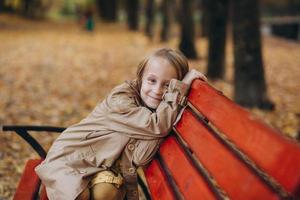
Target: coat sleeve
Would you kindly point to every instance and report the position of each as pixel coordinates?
(145, 150)
(140, 122)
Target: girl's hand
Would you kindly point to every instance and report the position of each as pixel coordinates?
(191, 75)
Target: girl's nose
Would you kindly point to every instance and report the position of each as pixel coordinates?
(158, 89)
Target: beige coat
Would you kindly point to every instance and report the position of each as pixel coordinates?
(119, 127)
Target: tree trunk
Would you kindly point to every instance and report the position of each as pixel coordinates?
(149, 18)
(133, 14)
(204, 17)
(250, 87)
(187, 44)
(218, 15)
(2, 6)
(166, 7)
(33, 9)
(27, 5)
(293, 8)
(108, 10)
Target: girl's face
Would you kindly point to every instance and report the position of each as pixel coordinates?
(155, 81)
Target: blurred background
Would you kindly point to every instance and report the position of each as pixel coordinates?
(58, 58)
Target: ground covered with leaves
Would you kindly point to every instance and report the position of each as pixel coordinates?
(55, 73)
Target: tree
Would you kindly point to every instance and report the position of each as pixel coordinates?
(108, 10)
(204, 17)
(187, 44)
(217, 18)
(132, 7)
(149, 18)
(35, 8)
(249, 83)
(2, 5)
(166, 6)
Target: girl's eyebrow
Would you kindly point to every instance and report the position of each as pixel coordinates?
(154, 76)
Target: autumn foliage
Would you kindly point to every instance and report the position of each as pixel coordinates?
(54, 74)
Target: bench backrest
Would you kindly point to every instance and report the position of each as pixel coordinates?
(219, 150)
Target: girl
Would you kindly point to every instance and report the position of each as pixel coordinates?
(97, 158)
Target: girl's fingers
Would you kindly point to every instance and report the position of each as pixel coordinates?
(193, 74)
(204, 78)
(201, 76)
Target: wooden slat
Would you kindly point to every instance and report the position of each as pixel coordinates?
(43, 195)
(269, 149)
(190, 183)
(29, 184)
(238, 181)
(158, 182)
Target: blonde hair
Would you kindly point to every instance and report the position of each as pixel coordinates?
(176, 59)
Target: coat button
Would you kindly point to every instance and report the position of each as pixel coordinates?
(82, 171)
(130, 147)
(131, 170)
(134, 193)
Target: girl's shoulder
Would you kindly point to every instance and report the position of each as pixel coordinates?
(127, 88)
(124, 96)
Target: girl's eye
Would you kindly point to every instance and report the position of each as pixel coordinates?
(151, 81)
(167, 85)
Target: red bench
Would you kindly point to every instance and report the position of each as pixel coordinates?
(217, 150)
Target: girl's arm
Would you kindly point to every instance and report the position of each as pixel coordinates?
(140, 122)
(145, 150)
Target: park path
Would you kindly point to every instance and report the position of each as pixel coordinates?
(54, 74)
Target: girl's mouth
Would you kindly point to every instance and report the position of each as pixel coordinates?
(156, 99)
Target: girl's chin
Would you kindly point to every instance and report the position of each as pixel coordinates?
(152, 105)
